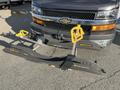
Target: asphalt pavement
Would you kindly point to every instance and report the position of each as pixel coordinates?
(19, 73)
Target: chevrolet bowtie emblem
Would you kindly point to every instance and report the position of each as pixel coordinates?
(65, 20)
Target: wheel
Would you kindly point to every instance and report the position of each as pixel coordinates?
(8, 7)
(3, 6)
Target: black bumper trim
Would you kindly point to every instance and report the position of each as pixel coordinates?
(52, 31)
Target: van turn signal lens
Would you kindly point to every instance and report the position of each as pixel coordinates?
(103, 27)
(38, 21)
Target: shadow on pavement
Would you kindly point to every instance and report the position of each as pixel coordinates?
(20, 17)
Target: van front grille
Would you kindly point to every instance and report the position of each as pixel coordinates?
(70, 14)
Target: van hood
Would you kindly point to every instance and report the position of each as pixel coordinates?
(79, 6)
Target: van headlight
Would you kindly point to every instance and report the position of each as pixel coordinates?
(36, 10)
(112, 14)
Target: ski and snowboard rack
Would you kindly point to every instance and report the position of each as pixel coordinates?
(67, 62)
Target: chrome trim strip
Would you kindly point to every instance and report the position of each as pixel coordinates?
(75, 21)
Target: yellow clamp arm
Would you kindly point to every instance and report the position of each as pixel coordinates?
(22, 33)
(77, 33)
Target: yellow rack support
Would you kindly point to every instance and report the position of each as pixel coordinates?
(22, 33)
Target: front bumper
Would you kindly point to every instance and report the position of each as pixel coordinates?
(74, 21)
(94, 41)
